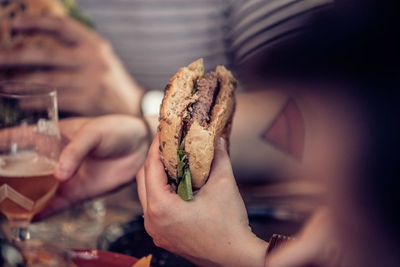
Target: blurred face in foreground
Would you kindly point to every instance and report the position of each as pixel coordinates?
(343, 128)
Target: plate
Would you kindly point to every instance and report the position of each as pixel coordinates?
(99, 258)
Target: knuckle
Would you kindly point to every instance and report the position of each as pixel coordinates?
(155, 210)
(148, 227)
(157, 242)
(153, 233)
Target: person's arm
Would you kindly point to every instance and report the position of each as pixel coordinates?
(90, 78)
(317, 244)
(211, 230)
(251, 154)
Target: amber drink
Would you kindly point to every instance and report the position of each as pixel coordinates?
(26, 185)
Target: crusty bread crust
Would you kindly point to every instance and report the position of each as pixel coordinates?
(225, 104)
(199, 146)
(177, 96)
(199, 141)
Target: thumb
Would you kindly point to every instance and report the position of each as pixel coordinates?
(221, 165)
(66, 30)
(75, 152)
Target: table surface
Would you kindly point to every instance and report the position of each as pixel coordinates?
(81, 226)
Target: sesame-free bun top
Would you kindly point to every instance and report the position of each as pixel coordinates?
(199, 140)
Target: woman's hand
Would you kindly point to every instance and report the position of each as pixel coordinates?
(103, 154)
(213, 229)
(89, 77)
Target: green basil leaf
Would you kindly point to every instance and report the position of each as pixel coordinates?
(181, 166)
(185, 186)
(181, 162)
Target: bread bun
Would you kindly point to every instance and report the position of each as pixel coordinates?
(199, 139)
(12, 9)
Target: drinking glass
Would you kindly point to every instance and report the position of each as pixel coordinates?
(30, 144)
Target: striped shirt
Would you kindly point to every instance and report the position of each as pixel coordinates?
(154, 38)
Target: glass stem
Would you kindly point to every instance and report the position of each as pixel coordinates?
(20, 234)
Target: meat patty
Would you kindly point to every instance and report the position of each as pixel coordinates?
(207, 89)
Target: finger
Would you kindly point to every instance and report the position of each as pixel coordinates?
(65, 29)
(58, 78)
(82, 104)
(141, 188)
(69, 83)
(156, 179)
(54, 56)
(74, 153)
(72, 89)
(69, 127)
(221, 165)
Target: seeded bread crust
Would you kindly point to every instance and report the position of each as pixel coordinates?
(177, 96)
(199, 141)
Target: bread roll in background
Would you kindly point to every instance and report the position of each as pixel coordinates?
(12, 9)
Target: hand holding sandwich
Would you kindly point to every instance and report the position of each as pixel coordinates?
(211, 227)
(210, 230)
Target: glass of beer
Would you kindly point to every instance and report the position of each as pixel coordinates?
(30, 144)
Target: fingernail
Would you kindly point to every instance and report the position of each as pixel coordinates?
(62, 172)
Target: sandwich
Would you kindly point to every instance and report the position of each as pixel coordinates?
(10, 9)
(197, 109)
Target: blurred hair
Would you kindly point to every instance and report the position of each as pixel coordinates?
(355, 40)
